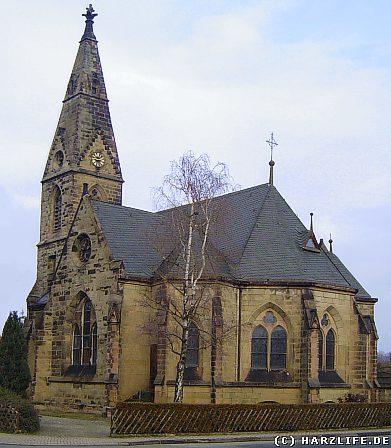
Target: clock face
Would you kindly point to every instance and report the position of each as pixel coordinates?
(97, 159)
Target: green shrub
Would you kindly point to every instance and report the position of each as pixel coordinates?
(29, 420)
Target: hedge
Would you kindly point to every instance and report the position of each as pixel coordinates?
(28, 420)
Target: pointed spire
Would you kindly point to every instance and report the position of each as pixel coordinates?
(89, 30)
(312, 243)
(271, 143)
(331, 244)
(85, 116)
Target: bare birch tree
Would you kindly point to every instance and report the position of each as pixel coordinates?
(189, 191)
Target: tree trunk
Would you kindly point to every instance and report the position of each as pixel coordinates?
(180, 367)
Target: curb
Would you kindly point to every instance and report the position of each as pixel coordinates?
(35, 440)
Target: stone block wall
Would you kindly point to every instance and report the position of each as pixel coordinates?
(97, 278)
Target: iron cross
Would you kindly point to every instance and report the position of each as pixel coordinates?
(272, 143)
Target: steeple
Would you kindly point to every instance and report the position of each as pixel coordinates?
(85, 116)
(83, 157)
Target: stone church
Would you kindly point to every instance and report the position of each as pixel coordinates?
(303, 327)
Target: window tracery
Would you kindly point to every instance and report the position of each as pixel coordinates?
(82, 248)
(269, 344)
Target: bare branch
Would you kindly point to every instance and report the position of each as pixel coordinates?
(188, 191)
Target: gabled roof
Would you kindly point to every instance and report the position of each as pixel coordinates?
(259, 239)
(130, 234)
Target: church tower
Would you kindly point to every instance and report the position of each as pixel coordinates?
(83, 157)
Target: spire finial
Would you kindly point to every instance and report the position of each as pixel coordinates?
(89, 31)
(312, 223)
(331, 244)
(271, 143)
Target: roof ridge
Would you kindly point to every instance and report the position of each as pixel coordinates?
(122, 206)
(284, 223)
(223, 255)
(335, 265)
(172, 208)
(255, 221)
(231, 193)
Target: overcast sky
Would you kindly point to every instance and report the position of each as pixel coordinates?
(214, 76)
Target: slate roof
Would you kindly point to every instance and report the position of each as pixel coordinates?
(258, 239)
(130, 234)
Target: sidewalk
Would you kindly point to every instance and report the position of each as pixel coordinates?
(67, 431)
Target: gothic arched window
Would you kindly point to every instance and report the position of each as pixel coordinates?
(330, 350)
(76, 346)
(193, 346)
(98, 193)
(278, 349)
(85, 335)
(57, 208)
(259, 348)
(327, 343)
(95, 85)
(269, 343)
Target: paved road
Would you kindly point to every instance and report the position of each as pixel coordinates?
(67, 432)
(260, 444)
(71, 427)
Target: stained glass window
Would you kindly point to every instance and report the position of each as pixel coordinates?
(259, 343)
(193, 346)
(278, 349)
(76, 349)
(330, 350)
(85, 335)
(269, 318)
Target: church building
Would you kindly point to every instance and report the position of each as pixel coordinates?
(302, 326)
